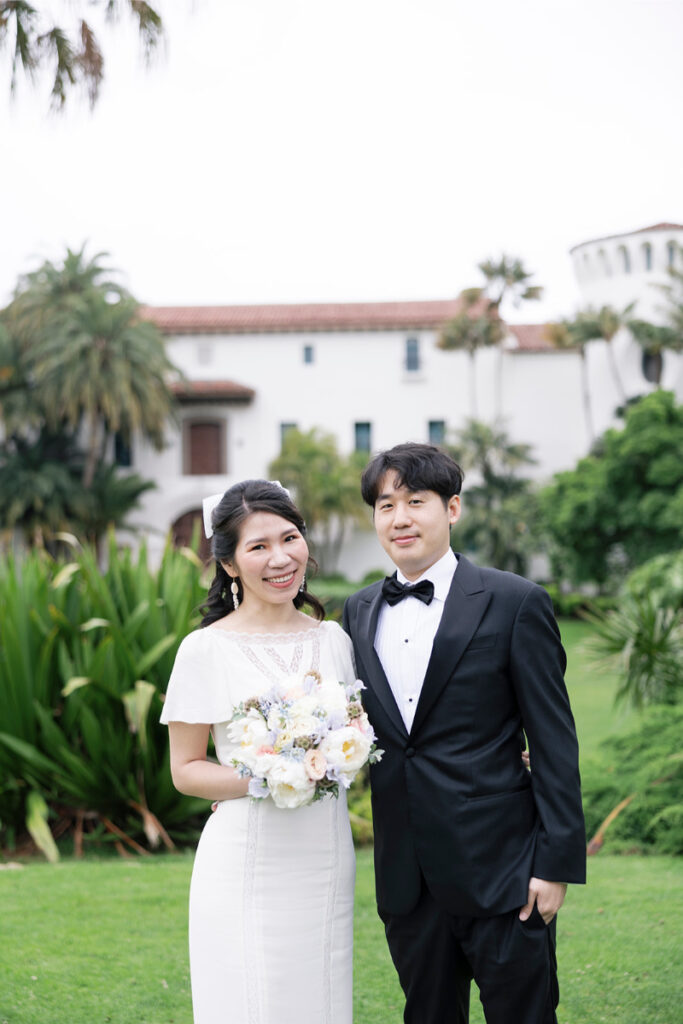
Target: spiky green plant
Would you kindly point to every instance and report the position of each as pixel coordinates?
(85, 657)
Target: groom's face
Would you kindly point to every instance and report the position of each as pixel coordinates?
(413, 527)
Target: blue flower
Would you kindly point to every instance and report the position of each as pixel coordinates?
(258, 788)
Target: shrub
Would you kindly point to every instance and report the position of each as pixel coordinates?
(644, 635)
(642, 770)
(84, 658)
(574, 604)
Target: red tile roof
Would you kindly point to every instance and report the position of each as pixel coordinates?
(207, 390)
(664, 226)
(530, 338)
(323, 316)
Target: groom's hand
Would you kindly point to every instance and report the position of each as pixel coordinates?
(548, 897)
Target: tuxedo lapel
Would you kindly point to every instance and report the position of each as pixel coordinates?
(368, 613)
(464, 608)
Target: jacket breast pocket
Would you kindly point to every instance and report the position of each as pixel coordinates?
(482, 643)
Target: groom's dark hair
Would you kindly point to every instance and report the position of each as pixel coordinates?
(418, 467)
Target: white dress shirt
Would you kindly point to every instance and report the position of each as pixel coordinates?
(405, 635)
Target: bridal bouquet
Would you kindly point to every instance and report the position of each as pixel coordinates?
(301, 740)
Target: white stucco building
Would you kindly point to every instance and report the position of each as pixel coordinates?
(371, 374)
(620, 269)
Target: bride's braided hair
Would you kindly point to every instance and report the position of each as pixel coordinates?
(235, 506)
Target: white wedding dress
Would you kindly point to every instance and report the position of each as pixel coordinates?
(271, 898)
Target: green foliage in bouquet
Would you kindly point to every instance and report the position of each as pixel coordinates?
(633, 790)
(85, 655)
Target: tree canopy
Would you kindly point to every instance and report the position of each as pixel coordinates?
(622, 504)
(326, 488)
(67, 46)
(507, 277)
(78, 369)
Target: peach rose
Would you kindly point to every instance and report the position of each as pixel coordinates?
(315, 764)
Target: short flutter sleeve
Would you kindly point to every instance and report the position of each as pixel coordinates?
(199, 687)
(341, 649)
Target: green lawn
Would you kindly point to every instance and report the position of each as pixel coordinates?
(591, 691)
(104, 941)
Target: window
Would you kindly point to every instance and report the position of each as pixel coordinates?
(652, 365)
(647, 256)
(437, 431)
(204, 447)
(412, 354)
(625, 259)
(309, 354)
(363, 437)
(604, 263)
(284, 430)
(123, 454)
(204, 351)
(671, 248)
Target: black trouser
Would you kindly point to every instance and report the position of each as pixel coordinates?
(437, 955)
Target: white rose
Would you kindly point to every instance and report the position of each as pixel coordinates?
(346, 750)
(304, 707)
(332, 695)
(250, 733)
(305, 725)
(289, 783)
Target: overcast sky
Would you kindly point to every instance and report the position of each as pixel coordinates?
(313, 150)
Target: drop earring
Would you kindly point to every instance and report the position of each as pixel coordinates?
(235, 594)
(302, 588)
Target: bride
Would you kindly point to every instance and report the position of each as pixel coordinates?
(271, 897)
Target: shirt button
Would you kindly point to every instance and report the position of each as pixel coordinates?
(405, 641)
(410, 751)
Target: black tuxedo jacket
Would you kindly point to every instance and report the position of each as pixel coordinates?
(451, 800)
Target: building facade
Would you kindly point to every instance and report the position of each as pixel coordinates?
(372, 375)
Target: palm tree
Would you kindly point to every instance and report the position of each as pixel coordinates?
(69, 48)
(54, 284)
(103, 368)
(14, 381)
(42, 297)
(106, 503)
(654, 339)
(477, 326)
(76, 362)
(38, 481)
(500, 509)
(507, 277)
(561, 337)
(602, 324)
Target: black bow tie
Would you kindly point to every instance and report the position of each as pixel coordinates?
(393, 591)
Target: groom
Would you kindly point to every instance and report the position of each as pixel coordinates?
(472, 851)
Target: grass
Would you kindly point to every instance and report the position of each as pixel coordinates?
(591, 691)
(104, 942)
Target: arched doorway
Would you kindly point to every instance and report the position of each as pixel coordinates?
(186, 528)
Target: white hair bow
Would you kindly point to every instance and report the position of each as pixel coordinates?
(209, 504)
